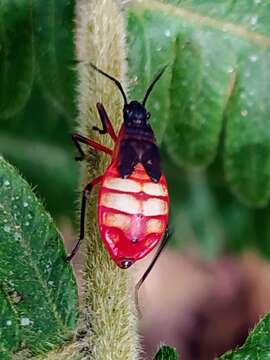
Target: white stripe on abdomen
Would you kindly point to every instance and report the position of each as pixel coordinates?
(153, 207)
(120, 221)
(132, 205)
(133, 186)
(123, 202)
(154, 226)
(125, 185)
(151, 188)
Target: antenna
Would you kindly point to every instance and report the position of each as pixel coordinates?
(117, 82)
(153, 84)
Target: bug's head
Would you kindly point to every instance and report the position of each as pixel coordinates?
(135, 114)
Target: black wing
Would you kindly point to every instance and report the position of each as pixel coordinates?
(132, 152)
(151, 162)
(128, 158)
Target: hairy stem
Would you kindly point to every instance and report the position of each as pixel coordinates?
(109, 311)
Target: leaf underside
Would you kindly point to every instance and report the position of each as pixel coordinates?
(38, 295)
(257, 345)
(166, 353)
(218, 83)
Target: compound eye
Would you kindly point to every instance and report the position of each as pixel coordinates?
(148, 115)
(127, 111)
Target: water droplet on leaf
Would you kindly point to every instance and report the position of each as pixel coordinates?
(17, 236)
(156, 105)
(25, 321)
(242, 95)
(253, 58)
(253, 20)
(6, 228)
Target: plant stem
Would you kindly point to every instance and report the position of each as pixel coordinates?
(109, 310)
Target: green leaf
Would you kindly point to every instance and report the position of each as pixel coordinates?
(166, 353)
(36, 135)
(219, 54)
(38, 294)
(195, 212)
(16, 56)
(204, 213)
(257, 345)
(144, 64)
(247, 142)
(9, 329)
(53, 30)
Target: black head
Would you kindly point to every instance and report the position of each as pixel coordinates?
(135, 114)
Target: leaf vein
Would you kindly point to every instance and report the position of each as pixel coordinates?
(205, 21)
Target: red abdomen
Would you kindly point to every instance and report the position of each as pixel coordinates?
(132, 214)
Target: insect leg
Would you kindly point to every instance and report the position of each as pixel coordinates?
(77, 139)
(165, 239)
(85, 195)
(106, 123)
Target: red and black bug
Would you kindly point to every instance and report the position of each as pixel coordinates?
(133, 202)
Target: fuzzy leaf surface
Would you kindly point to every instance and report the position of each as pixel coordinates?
(217, 84)
(38, 297)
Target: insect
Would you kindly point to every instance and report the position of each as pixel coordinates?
(133, 202)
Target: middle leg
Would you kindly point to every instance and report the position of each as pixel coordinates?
(85, 195)
(77, 139)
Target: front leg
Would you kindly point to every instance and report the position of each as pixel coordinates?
(106, 123)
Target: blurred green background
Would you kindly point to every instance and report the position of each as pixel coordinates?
(37, 106)
(210, 111)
